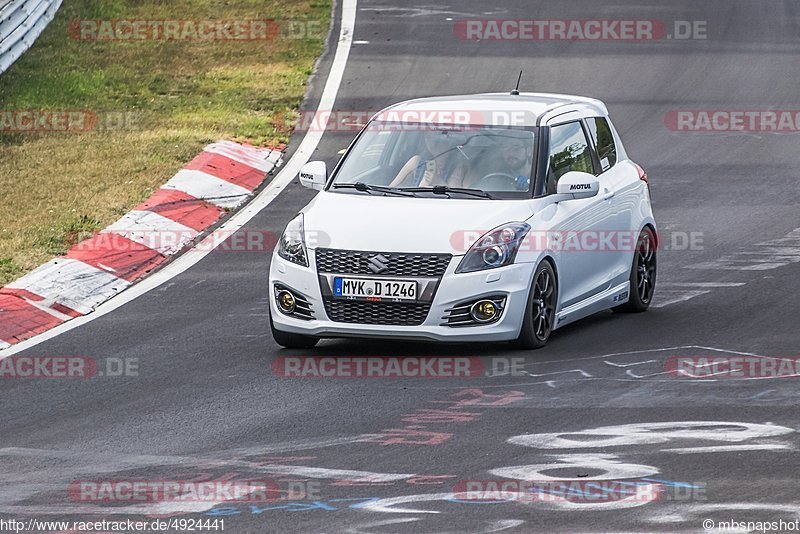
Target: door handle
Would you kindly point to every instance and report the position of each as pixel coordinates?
(608, 195)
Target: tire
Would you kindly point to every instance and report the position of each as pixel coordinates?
(540, 312)
(643, 274)
(292, 341)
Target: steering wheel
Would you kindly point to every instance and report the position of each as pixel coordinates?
(497, 181)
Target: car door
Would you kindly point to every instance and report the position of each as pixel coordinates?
(584, 267)
(619, 184)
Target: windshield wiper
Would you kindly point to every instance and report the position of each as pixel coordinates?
(445, 190)
(366, 188)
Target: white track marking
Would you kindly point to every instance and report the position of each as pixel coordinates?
(650, 434)
(698, 511)
(731, 351)
(153, 231)
(668, 297)
(503, 524)
(304, 151)
(335, 474)
(771, 254)
(613, 469)
(386, 522)
(528, 373)
(289, 446)
(601, 356)
(676, 292)
(631, 374)
(581, 371)
(629, 364)
(388, 505)
(75, 284)
(731, 448)
(417, 11)
(208, 187)
(626, 353)
(644, 351)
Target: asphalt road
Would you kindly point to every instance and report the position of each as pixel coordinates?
(207, 405)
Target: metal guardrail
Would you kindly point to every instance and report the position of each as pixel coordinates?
(21, 22)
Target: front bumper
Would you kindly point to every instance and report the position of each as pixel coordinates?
(512, 281)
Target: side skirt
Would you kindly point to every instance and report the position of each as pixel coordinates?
(602, 301)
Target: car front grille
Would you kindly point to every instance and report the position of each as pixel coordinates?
(397, 263)
(385, 313)
(388, 264)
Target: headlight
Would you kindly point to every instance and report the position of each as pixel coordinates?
(292, 246)
(495, 249)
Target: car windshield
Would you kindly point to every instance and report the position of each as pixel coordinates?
(448, 161)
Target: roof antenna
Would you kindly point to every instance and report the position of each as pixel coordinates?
(515, 92)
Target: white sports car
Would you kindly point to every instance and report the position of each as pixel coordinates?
(491, 217)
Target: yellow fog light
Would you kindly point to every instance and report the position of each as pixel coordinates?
(286, 301)
(484, 311)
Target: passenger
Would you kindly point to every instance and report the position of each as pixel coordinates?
(437, 164)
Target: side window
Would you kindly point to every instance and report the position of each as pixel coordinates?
(569, 151)
(604, 141)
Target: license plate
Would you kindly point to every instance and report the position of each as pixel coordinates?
(374, 289)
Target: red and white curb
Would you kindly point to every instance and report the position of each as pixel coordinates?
(221, 178)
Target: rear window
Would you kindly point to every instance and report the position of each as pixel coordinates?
(604, 142)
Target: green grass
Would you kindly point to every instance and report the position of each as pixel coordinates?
(68, 233)
(9, 269)
(174, 97)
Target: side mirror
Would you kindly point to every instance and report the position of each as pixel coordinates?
(314, 174)
(575, 184)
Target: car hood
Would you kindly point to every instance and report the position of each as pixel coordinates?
(401, 224)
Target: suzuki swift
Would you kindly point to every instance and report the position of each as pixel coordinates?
(491, 217)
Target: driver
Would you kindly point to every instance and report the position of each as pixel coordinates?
(516, 160)
(437, 164)
(510, 160)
